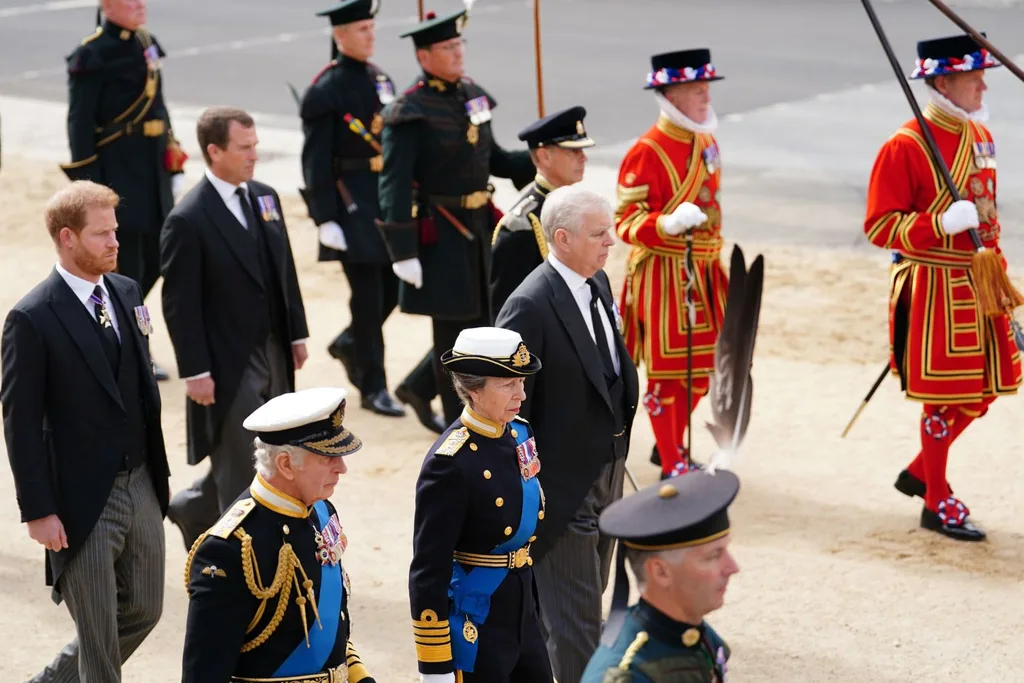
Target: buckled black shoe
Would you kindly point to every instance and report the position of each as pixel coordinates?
(160, 374)
(963, 531)
(346, 354)
(382, 403)
(909, 485)
(424, 413)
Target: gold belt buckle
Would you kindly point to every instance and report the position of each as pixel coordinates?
(153, 129)
(476, 199)
(376, 163)
(520, 558)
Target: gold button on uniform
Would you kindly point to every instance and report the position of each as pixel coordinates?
(532, 539)
(540, 515)
(472, 446)
(499, 502)
(690, 637)
(286, 530)
(515, 434)
(487, 474)
(508, 531)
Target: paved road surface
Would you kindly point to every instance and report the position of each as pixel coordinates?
(807, 100)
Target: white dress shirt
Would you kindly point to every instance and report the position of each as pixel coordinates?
(581, 293)
(227, 192)
(83, 289)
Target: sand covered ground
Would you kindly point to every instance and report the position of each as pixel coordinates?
(837, 581)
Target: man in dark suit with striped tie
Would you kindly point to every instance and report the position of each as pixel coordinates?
(82, 424)
(581, 408)
(234, 312)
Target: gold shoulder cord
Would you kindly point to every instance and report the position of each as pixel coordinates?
(634, 647)
(280, 587)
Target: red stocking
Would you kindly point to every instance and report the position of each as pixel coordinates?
(936, 435)
(966, 414)
(665, 409)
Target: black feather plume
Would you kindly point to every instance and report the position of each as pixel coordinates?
(732, 385)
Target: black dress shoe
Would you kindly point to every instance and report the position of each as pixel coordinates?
(424, 413)
(655, 456)
(160, 374)
(189, 536)
(962, 532)
(382, 403)
(909, 485)
(346, 354)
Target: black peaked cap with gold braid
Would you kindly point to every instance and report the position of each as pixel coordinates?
(490, 352)
(310, 419)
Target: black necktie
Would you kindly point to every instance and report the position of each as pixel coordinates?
(111, 344)
(250, 216)
(599, 335)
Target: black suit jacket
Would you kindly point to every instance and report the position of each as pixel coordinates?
(215, 300)
(567, 402)
(63, 413)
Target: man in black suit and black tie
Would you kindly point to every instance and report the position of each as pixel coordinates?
(82, 424)
(581, 407)
(234, 312)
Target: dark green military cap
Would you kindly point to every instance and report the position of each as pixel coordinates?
(434, 29)
(351, 11)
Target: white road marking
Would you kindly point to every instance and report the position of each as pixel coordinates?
(54, 6)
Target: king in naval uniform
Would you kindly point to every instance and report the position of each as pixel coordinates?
(268, 595)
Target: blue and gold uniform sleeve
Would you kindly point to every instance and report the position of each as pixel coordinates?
(440, 512)
(357, 672)
(220, 608)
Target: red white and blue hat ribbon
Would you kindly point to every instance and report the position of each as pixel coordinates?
(669, 75)
(925, 68)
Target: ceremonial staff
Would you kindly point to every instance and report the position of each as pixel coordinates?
(536, 50)
(978, 38)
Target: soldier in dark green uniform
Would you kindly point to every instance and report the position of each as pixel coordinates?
(518, 246)
(675, 535)
(120, 134)
(341, 161)
(437, 215)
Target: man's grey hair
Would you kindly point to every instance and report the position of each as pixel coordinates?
(463, 383)
(638, 559)
(265, 457)
(566, 207)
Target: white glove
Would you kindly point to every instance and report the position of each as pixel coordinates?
(960, 216)
(411, 271)
(177, 185)
(437, 678)
(686, 216)
(332, 236)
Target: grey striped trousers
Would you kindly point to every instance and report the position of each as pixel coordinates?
(114, 586)
(572, 576)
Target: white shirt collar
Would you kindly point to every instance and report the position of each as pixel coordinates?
(83, 289)
(573, 279)
(225, 189)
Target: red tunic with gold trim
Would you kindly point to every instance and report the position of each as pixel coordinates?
(942, 346)
(667, 166)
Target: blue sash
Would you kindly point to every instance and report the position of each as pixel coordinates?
(470, 592)
(309, 660)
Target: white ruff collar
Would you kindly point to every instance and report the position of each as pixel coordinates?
(943, 103)
(677, 117)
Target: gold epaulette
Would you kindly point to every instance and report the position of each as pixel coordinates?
(634, 647)
(451, 445)
(356, 669)
(281, 587)
(433, 638)
(93, 36)
(224, 527)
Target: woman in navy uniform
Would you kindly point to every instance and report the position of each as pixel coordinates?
(268, 597)
(478, 506)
